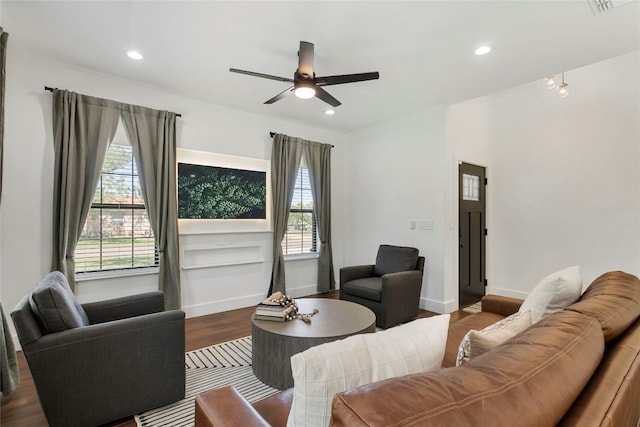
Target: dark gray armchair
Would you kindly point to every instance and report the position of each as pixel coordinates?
(99, 362)
(391, 287)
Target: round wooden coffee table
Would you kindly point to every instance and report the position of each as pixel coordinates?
(273, 343)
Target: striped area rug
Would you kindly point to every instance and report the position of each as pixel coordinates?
(208, 368)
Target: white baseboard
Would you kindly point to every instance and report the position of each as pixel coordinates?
(196, 310)
(16, 343)
(438, 306)
(450, 306)
(303, 291)
(506, 292)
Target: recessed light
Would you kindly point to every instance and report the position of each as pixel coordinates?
(483, 50)
(329, 112)
(134, 54)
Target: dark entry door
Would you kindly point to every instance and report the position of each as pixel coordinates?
(472, 214)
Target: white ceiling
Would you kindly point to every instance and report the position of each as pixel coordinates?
(422, 49)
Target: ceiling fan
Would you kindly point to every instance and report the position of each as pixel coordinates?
(305, 83)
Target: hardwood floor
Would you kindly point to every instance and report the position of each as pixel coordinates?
(23, 408)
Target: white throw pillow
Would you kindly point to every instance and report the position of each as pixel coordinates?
(553, 293)
(476, 343)
(324, 370)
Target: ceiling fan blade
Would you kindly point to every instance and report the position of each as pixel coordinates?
(324, 95)
(264, 76)
(279, 96)
(305, 59)
(346, 78)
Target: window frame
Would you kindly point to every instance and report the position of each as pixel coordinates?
(314, 251)
(126, 209)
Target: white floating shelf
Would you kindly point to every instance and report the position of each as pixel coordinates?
(221, 255)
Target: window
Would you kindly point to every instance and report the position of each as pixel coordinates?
(470, 187)
(117, 234)
(301, 235)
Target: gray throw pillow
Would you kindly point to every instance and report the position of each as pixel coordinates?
(54, 305)
(392, 259)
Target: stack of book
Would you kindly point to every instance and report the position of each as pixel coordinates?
(276, 308)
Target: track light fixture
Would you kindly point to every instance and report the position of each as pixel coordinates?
(552, 83)
(562, 89)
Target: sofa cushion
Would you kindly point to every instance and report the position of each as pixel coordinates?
(613, 393)
(614, 300)
(391, 259)
(476, 343)
(553, 293)
(459, 328)
(54, 305)
(368, 288)
(324, 370)
(532, 380)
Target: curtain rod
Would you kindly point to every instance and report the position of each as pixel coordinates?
(274, 134)
(51, 89)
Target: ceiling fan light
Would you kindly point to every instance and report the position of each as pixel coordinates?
(305, 92)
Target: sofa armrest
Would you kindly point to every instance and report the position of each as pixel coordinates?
(108, 333)
(124, 307)
(400, 296)
(225, 407)
(401, 283)
(355, 272)
(505, 306)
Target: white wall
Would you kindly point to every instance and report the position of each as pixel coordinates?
(25, 249)
(564, 181)
(394, 173)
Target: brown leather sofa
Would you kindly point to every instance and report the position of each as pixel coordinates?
(578, 367)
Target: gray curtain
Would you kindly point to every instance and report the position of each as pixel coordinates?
(285, 161)
(9, 372)
(3, 60)
(318, 158)
(153, 136)
(83, 127)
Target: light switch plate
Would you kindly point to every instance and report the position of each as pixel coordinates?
(425, 225)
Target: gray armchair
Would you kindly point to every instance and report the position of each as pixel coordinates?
(99, 362)
(390, 288)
